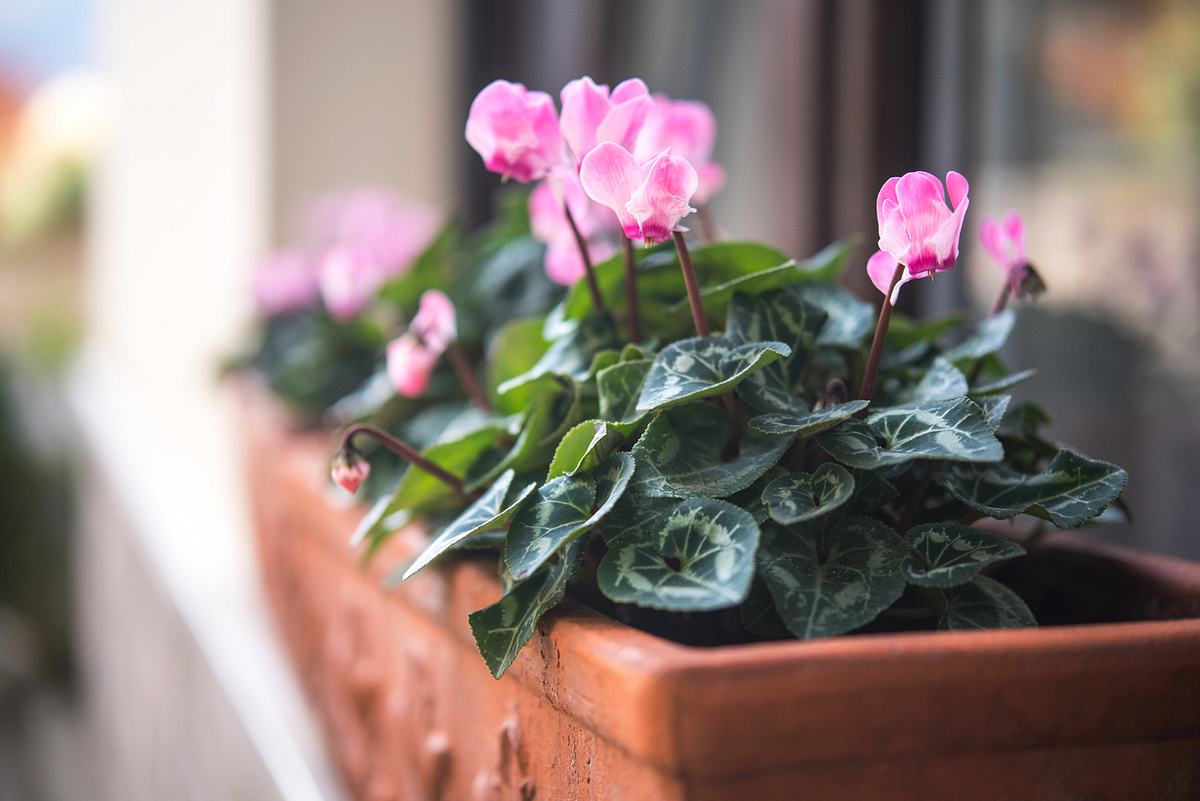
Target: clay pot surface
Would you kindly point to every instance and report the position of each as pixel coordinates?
(595, 710)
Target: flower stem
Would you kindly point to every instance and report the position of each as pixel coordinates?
(693, 288)
(404, 451)
(466, 376)
(867, 387)
(631, 291)
(588, 272)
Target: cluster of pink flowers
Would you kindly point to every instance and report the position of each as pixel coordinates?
(622, 162)
(351, 245)
(413, 355)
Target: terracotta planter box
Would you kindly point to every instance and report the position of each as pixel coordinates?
(595, 710)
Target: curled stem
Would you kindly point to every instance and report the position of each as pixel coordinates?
(867, 388)
(466, 376)
(631, 290)
(404, 451)
(589, 272)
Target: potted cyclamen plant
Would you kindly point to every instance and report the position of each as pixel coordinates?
(705, 443)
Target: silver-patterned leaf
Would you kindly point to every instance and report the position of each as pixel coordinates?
(702, 558)
(988, 336)
(833, 578)
(490, 512)
(804, 496)
(807, 424)
(1001, 384)
(562, 510)
(948, 554)
(780, 316)
(849, 320)
(680, 454)
(702, 367)
(984, 603)
(942, 381)
(994, 407)
(1070, 491)
(953, 430)
(502, 629)
(619, 387)
(583, 448)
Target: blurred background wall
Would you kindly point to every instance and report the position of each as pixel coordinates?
(150, 151)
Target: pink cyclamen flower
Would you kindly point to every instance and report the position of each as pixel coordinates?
(1004, 241)
(349, 469)
(348, 277)
(285, 282)
(410, 364)
(916, 227)
(591, 115)
(435, 322)
(515, 131)
(689, 129)
(564, 264)
(649, 199)
(392, 229)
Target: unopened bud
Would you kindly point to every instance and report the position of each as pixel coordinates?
(349, 469)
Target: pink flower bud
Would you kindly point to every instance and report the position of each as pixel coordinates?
(435, 322)
(348, 277)
(349, 469)
(1005, 243)
(515, 131)
(590, 115)
(285, 282)
(689, 129)
(409, 365)
(917, 228)
(649, 200)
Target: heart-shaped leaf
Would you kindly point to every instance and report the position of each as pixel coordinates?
(988, 336)
(680, 454)
(583, 448)
(571, 354)
(849, 319)
(804, 496)
(561, 510)
(947, 554)
(490, 512)
(701, 558)
(833, 578)
(1070, 491)
(502, 629)
(807, 424)
(778, 316)
(942, 381)
(702, 367)
(984, 603)
(619, 387)
(952, 430)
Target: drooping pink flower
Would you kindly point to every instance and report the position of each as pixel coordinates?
(591, 115)
(649, 199)
(348, 276)
(410, 363)
(689, 129)
(564, 263)
(349, 469)
(435, 322)
(1004, 241)
(284, 282)
(515, 131)
(392, 229)
(916, 227)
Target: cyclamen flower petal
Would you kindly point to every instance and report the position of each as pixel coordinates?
(649, 200)
(1005, 243)
(435, 321)
(591, 115)
(881, 267)
(916, 227)
(515, 131)
(348, 277)
(689, 129)
(409, 365)
(393, 229)
(285, 282)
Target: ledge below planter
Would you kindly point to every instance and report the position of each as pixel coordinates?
(594, 710)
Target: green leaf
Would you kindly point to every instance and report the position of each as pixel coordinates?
(998, 385)
(988, 336)
(514, 351)
(871, 490)
(831, 579)
(701, 558)
(562, 510)
(583, 448)
(984, 603)
(550, 415)
(951, 430)
(849, 320)
(947, 554)
(804, 496)
(571, 354)
(490, 512)
(807, 424)
(904, 332)
(502, 629)
(942, 381)
(619, 387)
(994, 407)
(1071, 490)
(758, 613)
(780, 316)
(680, 454)
(635, 514)
(702, 367)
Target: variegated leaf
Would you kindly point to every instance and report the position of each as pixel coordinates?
(948, 554)
(953, 430)
(984, 603)
(583, 448)
(942, 381)
(701, 558)
(807, 424)
(619, 387)
(994, 407)
(1001, 384)
(779, 316)
(849, 320)
(988, 336)
(702, 367)
(804, 496)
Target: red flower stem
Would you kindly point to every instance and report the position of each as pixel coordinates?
(466, 376)
(708, 226)
(693, 288)
(867, 388)
(631, 291)
(998, 305)
(588, 272)
(404, 451)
